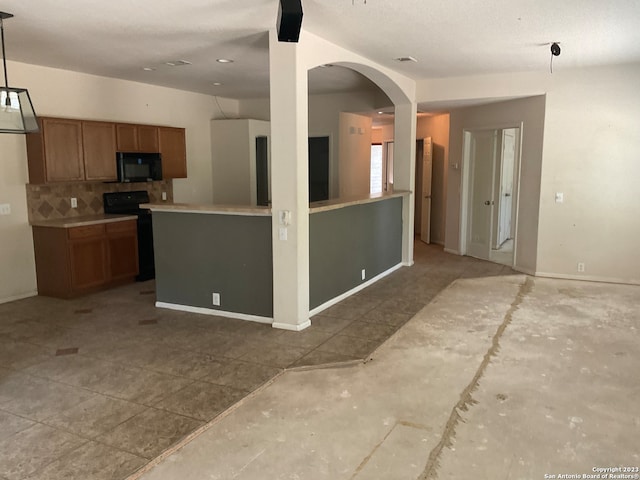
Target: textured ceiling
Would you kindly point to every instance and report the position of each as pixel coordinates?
(452, 38)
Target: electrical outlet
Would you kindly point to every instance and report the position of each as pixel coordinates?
(559, 197)
(74, 202)
(282, 233)
(5, 209)
(580, 267)
(364, 274)
(215, 299)
(164, 196)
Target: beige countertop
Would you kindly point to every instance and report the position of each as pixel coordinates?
(248, 210)
(83, 221)
(245, 210)
(336, 203)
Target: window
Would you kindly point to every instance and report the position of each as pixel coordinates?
(376, 168)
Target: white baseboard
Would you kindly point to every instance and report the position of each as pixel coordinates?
(452, 251)
(588, 278)
(348, 293)
(211, 311)
(528, 271)
(291, 327)
(21, 296)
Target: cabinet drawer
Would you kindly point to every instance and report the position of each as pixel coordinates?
(86, 231)
(127, 226)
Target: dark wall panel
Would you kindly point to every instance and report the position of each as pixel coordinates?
(198, 254)
(346, 240)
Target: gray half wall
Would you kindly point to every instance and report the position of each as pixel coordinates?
(344, 241)
(198, 254)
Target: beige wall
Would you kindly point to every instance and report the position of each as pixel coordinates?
(69, 94)
(355, 155)
(324, 115)
(436, 127)
(590, 154)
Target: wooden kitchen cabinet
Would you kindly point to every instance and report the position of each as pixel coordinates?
(136, 138)
(87, 251)
(99, 150)
(173, 149)
(122, 249)
(55, 153)
(67, 150)
(76, 260)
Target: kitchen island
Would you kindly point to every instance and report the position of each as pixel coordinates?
(217, 259)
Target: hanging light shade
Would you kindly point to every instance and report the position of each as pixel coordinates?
(16, 110)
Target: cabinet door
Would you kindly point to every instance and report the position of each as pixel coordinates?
(127, 137)
(88, 262)
(147, 139)
(63, 149)
(99, 148)
(174, 152)
(122, 250)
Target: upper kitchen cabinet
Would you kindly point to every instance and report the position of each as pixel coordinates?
(137, 138)
(55, 154)
(99, 148)
(174, 152)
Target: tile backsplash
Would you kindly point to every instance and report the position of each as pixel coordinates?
(53, 201)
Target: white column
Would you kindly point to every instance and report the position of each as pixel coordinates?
(289, 184)
(404, 171)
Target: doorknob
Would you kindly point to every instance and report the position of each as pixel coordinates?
(428, 196)
(488, 202)
(507, 194)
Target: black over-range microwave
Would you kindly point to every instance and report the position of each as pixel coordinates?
(138, 167)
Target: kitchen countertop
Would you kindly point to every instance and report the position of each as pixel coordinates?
(245, 210)
(248, 210)
(83, 221)
(336, 203)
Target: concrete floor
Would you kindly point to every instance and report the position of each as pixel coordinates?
(498, 378)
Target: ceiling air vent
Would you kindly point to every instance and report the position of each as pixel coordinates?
(406, 59)
(178, 63)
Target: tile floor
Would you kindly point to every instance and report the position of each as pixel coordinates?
(98, 386)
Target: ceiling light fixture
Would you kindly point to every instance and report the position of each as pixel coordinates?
(555, 52)
(224, 60)
(16, 110)
(216, 84)
(148, 69)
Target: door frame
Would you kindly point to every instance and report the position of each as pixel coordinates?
(466, 181)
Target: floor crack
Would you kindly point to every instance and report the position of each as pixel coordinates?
(466, 399)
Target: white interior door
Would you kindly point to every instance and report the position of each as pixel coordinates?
(482, 163)
(506, 186)
(427, 172)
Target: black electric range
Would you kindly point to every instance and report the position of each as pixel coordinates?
(128, 203)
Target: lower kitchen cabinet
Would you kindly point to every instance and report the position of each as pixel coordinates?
(75, 260)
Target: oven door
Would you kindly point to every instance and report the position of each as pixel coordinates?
(146, 260)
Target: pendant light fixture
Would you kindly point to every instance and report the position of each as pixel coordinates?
(16, 110)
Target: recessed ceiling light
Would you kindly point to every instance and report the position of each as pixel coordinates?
(216, 84)
(178, 63)
(148, 69)
(224, 60)
(380, 113)
(406, 59)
